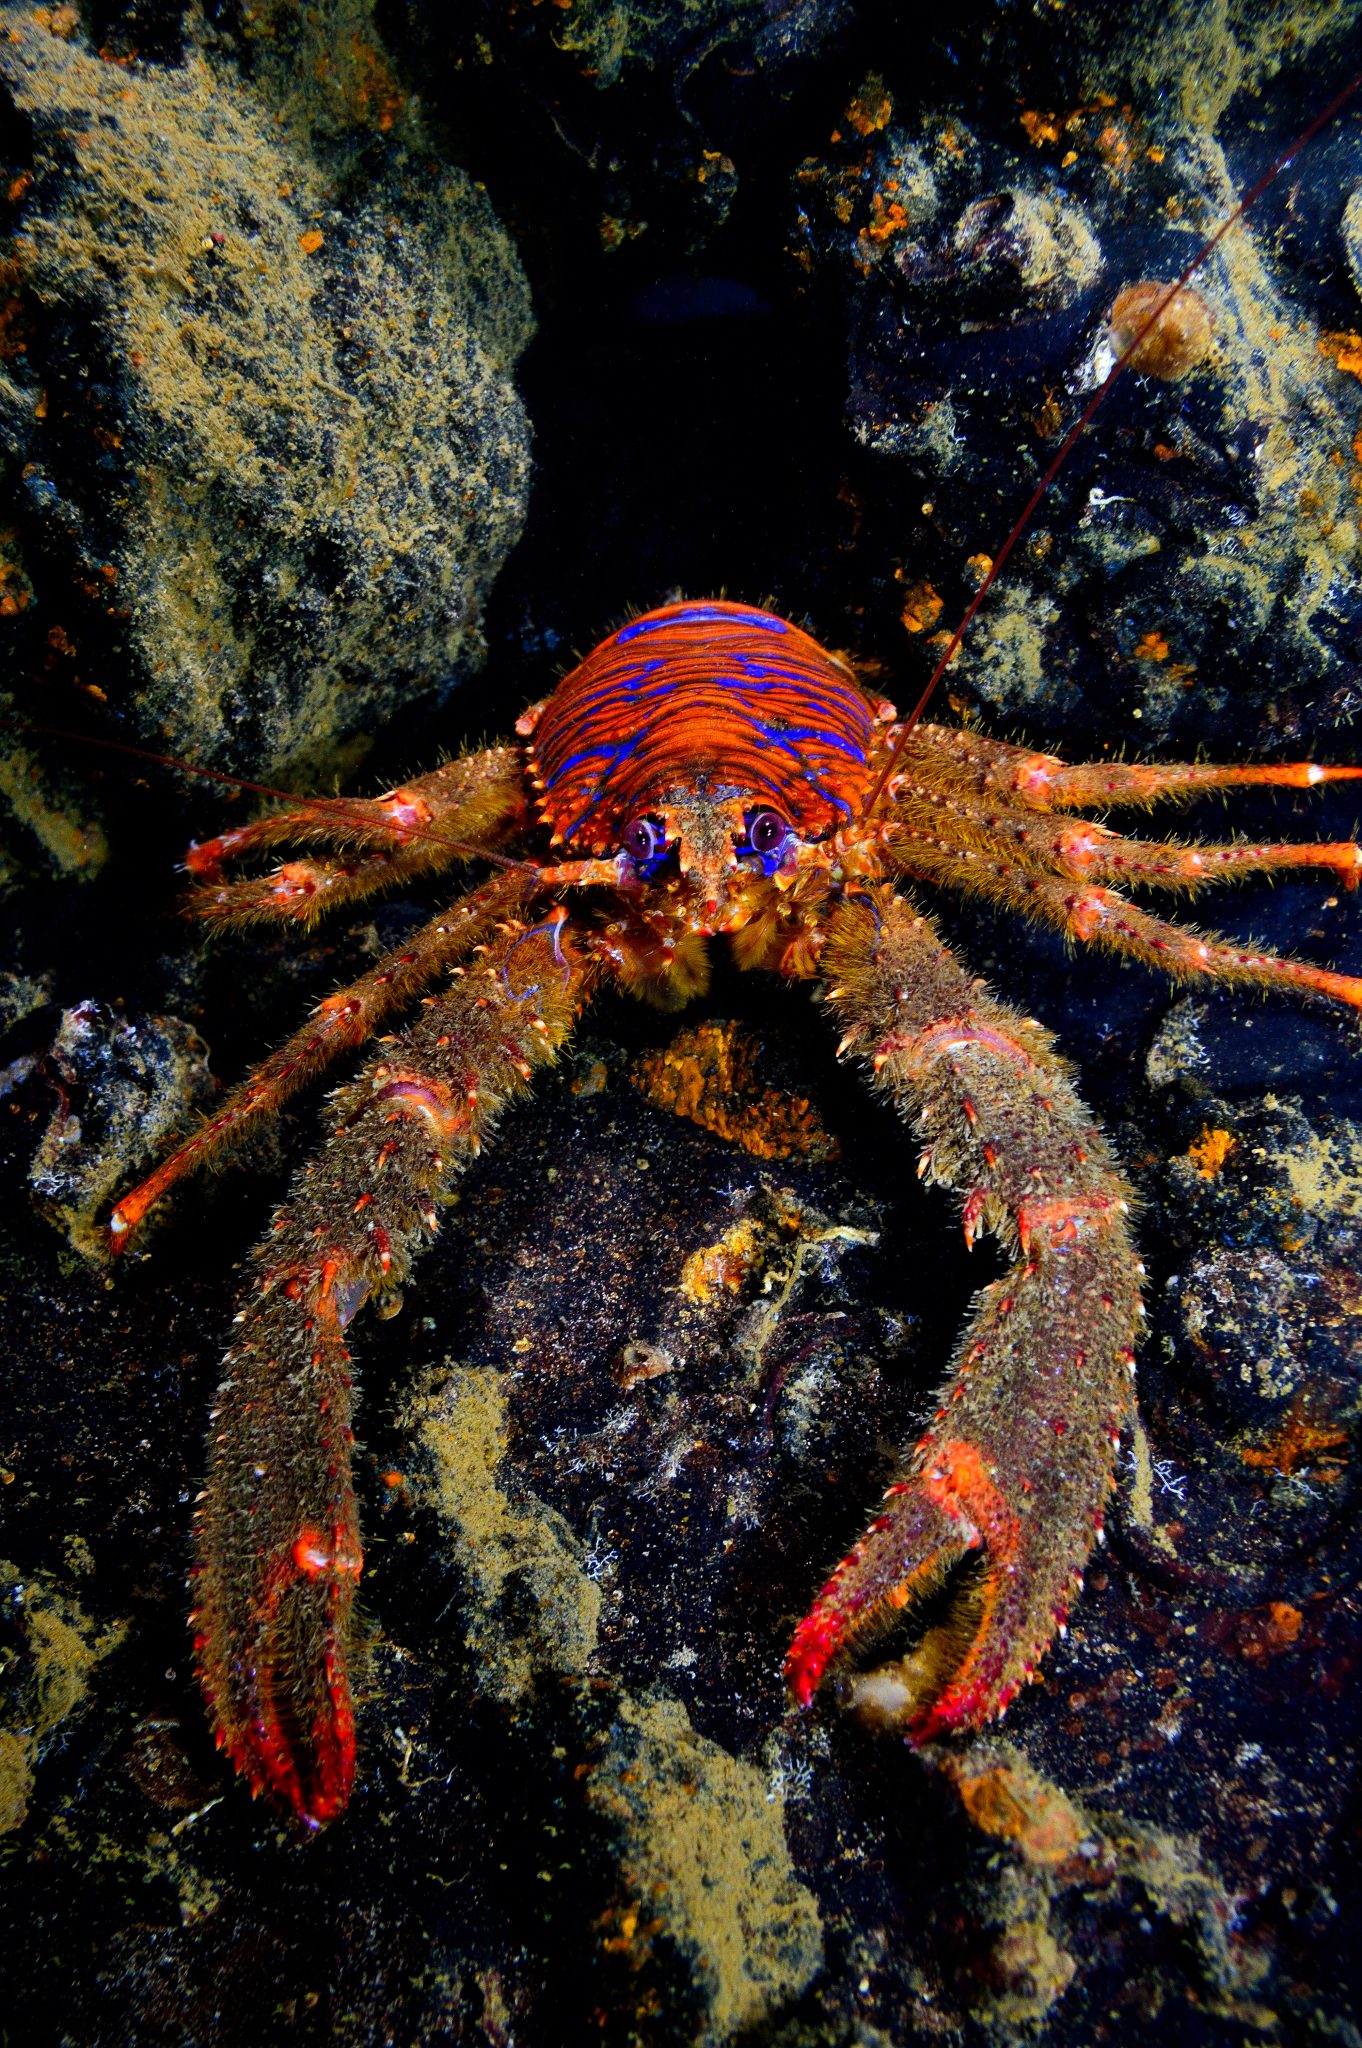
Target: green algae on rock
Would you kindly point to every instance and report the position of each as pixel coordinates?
(272, 457)
(704, 1868)
(59, 1649)
(531, 1610)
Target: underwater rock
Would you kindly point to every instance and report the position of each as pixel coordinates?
(1193, 572)
(52, 1651)
(48, 824)
(266, 454)
(701, 1912)
(123, 1085)
(1269, 1173)
(1350, 227)
(531, 1610)
(1260, 1378)
(1207, 1047)
(707, 1909)
(606, 42)
(1248, 1315)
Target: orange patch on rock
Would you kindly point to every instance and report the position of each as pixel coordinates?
(1300, 1444)
(708, 1076)
(723, 1266)
(872, 108)
(1209, 1152)
(1265, 1632)
(62, 22)
(887, 218)
(376, 94)
(16, 592)
(922, 607)
(1343, 350)
(14, 324)
(1041, 127)
(1015, 1804)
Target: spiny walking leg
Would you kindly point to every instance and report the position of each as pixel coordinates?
(277, 1530)
(1046, 843)
(1045, 783)
(462, 800)
(1002, 1498)
(1104, 917)
(339, 1023)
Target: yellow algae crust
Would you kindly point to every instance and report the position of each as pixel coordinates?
(704, 1865)
(64, 1646)
(530, 1607)
(1325, 1174)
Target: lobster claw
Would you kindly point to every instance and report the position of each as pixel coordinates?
(942, 1554)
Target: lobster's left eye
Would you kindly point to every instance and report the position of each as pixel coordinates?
(644, 841)
(766, 830)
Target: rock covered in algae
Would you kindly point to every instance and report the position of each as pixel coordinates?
(1194, 572)
(532, 1610)
(53, 1649)
(49, 823)
(701, 1913)
(704, 1869)
(266, 455)
(1261, 1308)
(608, 42)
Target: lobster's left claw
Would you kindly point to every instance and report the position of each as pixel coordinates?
(947, 1551)
(906, 1557)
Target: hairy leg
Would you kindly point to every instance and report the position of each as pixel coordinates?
(1001, 1500)
(277, 1531)
(1104, 917)
(926, 836)
(1045, 783)
(463, 808)
(339, 1023)
(474, 789)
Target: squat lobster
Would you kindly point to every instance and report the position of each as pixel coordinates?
(712, 770)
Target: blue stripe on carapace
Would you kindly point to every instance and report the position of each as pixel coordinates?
(705, 709)
(699, 614)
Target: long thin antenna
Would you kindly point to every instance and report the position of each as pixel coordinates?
(1246, 199)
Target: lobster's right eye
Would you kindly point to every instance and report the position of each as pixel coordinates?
(643, 841)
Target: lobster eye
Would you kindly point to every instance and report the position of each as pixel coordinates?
(765, 831)
(643, 840)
